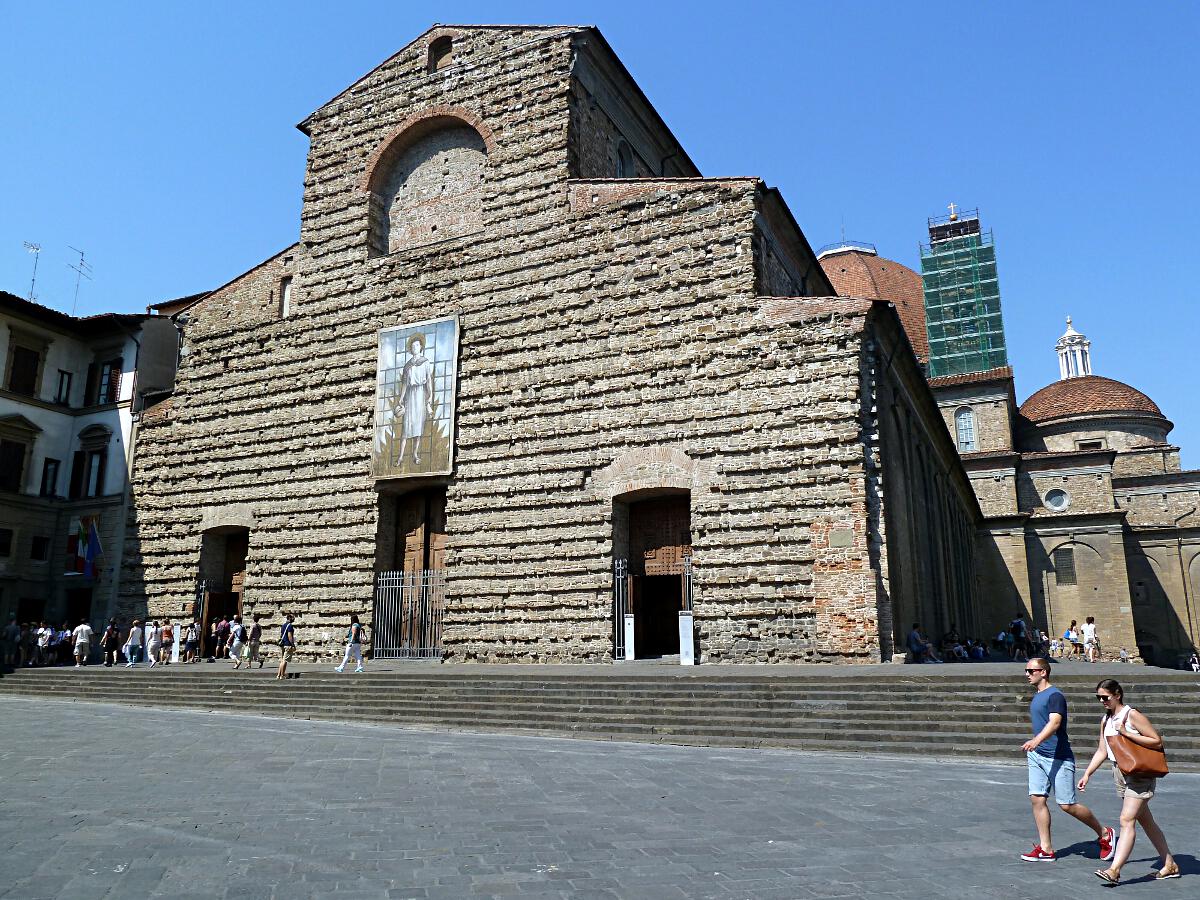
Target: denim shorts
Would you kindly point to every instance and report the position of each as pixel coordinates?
(1049, 775)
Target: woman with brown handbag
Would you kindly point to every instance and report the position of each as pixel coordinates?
(1135, 749)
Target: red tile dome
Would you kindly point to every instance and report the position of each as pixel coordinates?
(1085, 395)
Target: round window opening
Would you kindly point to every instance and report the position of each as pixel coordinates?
(1057, 500)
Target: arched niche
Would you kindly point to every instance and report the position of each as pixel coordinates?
(425, 182)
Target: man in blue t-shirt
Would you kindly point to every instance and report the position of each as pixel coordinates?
(1052, 765)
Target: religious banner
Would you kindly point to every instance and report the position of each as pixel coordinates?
(415, 398)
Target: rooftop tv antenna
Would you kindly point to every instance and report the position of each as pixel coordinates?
(36, 250)
(82, 269)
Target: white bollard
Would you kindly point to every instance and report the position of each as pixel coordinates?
(629, 636)
(687, 643)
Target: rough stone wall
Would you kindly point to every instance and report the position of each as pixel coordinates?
(433, 190)
(1166, 501)
(776, 278)
(1089, 488)
(594, 149)
(996, 491)
(612, 340)
(1158, 460)
(930, 513)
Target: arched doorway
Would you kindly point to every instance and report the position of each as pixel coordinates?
(652, 543)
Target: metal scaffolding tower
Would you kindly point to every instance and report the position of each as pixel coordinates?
(962, 297)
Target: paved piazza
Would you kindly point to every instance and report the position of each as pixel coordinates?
(111, 801)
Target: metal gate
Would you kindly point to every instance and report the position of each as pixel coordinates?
(620, 605)
(409, 606)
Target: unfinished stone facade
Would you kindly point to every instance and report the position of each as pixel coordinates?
(630, 331)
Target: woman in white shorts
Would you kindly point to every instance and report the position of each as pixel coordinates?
(1135, 791)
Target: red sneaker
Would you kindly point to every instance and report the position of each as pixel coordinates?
(1037, 854)
(1108, 845)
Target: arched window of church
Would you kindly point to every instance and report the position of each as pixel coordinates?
(625, 167)
(428, 188)
(441, 54)
(964, 426)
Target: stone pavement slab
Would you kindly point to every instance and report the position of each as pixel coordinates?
(99, 801)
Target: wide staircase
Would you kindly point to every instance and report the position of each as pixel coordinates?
(926, 711)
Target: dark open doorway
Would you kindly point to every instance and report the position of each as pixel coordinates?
(653, 532)
(223, 553)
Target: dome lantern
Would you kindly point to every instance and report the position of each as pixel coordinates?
(1074, 354)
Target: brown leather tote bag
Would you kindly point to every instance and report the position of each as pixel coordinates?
(1135, 760)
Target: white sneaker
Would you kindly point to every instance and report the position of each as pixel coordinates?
(152, 663)
(78, 666)
(129, 665)
(359, 670)
(337, 669)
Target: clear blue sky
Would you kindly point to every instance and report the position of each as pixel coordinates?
(159, 138)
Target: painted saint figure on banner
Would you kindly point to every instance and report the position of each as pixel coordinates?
(416, 398)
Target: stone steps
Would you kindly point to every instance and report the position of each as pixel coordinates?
(964, 715)
(948, 715)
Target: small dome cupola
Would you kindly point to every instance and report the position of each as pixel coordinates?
(1074, 353)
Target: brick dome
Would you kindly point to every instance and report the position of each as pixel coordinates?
(856, 272)
(1086, 395)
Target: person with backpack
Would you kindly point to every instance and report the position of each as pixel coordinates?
(287, 645)
(238, 641)
(354, 639)
(191, 642)
(110, 643)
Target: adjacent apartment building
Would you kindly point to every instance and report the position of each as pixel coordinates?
(72, 391)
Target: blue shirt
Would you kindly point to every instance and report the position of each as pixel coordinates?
(1051, 700)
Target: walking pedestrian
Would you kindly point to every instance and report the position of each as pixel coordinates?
(1194, 662)
(83, 642)
(223, 638)
(1020, 645)
(110, 643)
(153, 642)
(238, 641)
(353, 647)
(255, 643)
(1051, 765)
(213, 642)
(1123, 722)
(191, 641)
(167, 642)
(1091, 646)
(287, 645)
(133, 644)
(44, 646)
